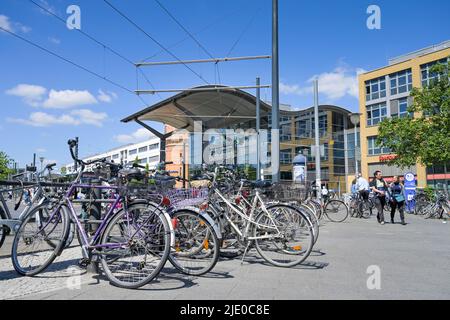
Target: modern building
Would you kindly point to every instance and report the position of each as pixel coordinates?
(204, 122)
(385, 93)
(145, 152)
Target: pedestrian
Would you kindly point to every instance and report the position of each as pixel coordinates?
(397, 199)
(362, 185)
(354, 189)
(380, 188)
(325, 193)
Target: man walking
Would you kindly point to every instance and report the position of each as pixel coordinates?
(379, 186)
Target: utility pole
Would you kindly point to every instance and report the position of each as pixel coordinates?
(275, 157)
(258, 128)
(76, 155)
(317, 138)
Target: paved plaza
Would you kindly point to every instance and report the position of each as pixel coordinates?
(413, 260)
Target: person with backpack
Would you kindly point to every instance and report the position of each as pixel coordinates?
(398, 199)
(381, 190)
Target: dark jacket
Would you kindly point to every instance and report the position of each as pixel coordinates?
(373, 183)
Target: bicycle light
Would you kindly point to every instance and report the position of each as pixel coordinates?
(204, 206)
(165, 201)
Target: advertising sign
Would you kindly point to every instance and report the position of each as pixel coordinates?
(410, 190)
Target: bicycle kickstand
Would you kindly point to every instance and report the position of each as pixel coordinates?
(245, 252)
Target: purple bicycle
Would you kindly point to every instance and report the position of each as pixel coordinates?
(132, 243)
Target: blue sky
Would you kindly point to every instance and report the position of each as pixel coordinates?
(45, 101)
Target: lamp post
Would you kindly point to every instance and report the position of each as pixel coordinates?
(42, 162)
(355, 118)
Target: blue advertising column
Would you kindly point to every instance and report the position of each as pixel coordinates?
(299, 169)
(410, 191)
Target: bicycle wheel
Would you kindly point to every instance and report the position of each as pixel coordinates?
(40, 239)
(2, 228)
(196, 244)
(336, 210)
(312, 217)
(135, 247)
(364, 209)
(283, 235)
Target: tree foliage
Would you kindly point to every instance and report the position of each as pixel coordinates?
(4, 170)
(424, 138)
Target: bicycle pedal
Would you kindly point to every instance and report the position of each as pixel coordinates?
(83, 263)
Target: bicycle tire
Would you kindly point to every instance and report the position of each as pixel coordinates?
(365, 210)
(296, 250)
(335, 206)
(3, 230)
(193, 255)
(315, 222)
(53, 239)
(154, 228)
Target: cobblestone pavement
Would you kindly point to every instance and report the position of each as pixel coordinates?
(414, 261)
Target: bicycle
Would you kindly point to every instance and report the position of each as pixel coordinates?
(131, 245)
(281, 233)
(7, 223)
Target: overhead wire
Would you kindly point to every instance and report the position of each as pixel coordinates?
(105, 46)
(153, 39)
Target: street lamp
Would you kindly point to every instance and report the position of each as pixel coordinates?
(355, 118)
(42, 162)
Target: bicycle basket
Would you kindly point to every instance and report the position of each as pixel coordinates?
(180, 198)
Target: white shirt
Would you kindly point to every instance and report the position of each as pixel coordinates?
(362, 184)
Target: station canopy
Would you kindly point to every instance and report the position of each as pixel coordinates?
(221, 108)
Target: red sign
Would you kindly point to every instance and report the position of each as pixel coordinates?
(387, 157)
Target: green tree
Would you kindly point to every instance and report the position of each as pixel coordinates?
(63, 171)
(424, 138)
(4, 170)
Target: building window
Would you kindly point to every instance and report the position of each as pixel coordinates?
(142, 161)
(399, 108)
(429, 77)
(303, 128)
(142, 149)
(323, 123)
(375, 149)
(132, 152)
(376, 89)
(285, 132)
(153, 159)
(286, 156)
(153, 146)
(116, 156)
(376, 113)
(401, 82)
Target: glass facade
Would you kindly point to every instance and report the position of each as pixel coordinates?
(401, 82)
(375, 149)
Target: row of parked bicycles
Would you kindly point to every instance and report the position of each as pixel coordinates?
(132, 221)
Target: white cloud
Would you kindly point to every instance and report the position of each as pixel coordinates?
(87, 116)
(74, 118)
(68, 98)
(47, 6)
(5, 23)
(106, 97)
(31, 94)
(54, 40)
(10, 26)
(140, 134)
(294, 89)
(341, 82)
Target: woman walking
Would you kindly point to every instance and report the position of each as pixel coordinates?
(397, 199)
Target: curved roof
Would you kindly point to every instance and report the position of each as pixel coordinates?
(219, 108)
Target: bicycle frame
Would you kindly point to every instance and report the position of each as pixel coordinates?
(249, 219)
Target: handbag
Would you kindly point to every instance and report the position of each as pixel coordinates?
(399, 198)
